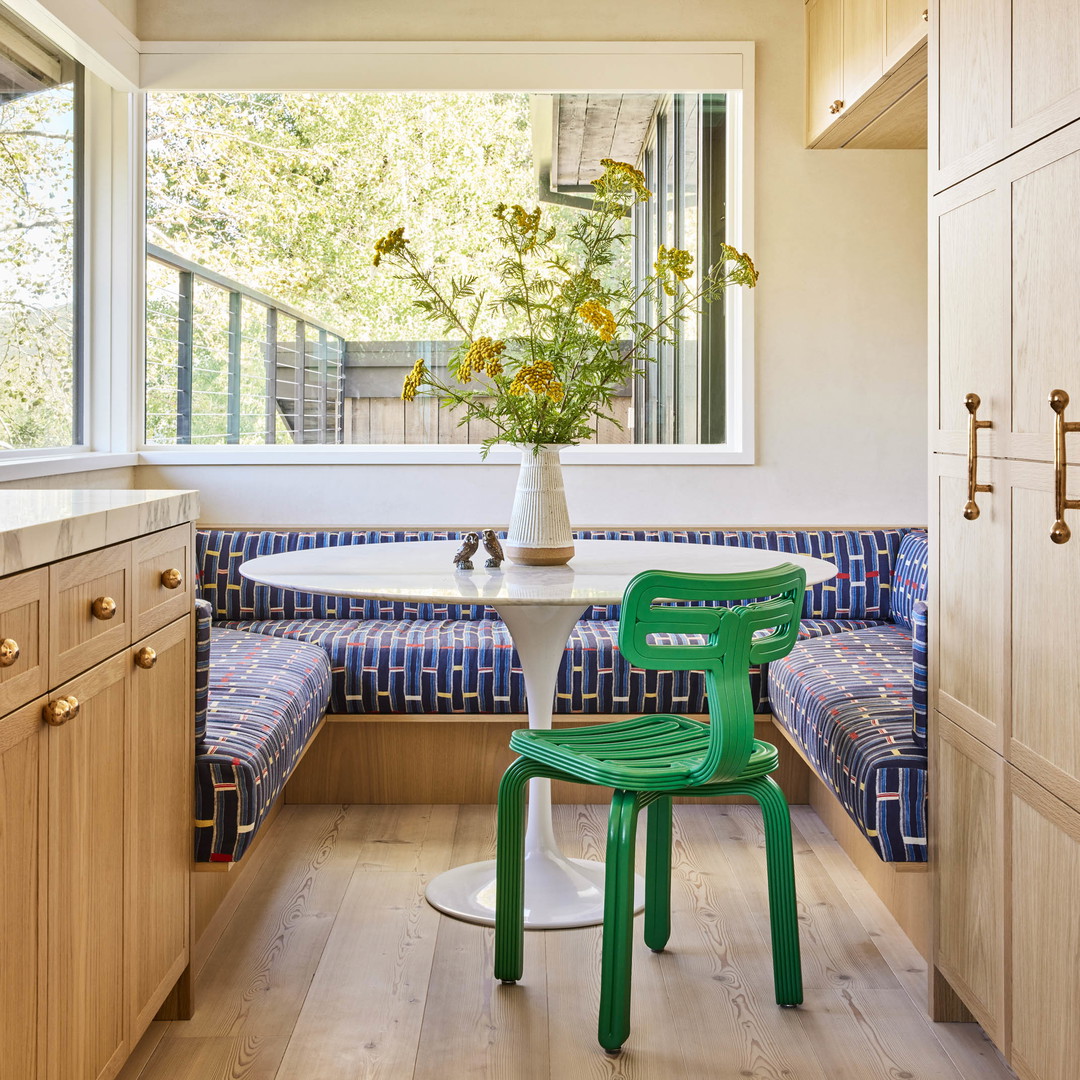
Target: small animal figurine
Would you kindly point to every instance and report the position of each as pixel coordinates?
(494, 549)
(463, 558)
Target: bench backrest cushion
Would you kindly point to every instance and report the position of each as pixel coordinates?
(861, 590)
(909, 577)
(203, 615)
(919, 661)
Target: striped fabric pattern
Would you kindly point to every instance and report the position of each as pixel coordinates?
(203, 614)
(910, 577)
(847, 700)
(920, 648)
(861, 589)
(266, 697)
(436, 666)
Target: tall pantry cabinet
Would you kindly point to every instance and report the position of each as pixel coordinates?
(1004, 128)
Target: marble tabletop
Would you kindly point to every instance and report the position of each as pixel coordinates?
(424, 571)
(41, 525)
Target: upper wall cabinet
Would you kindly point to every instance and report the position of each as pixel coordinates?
(866, 74)
(1008, 74)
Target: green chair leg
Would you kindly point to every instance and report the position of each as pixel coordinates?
(510, 872)
(617, 957)
(658, 874)
(783, 909)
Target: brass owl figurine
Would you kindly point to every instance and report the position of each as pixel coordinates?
(494, 549)
(463, 558)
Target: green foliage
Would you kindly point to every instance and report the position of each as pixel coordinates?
(579, 328)
(36, 269)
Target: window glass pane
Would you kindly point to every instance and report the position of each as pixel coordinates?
(266, 320)
(39, 249)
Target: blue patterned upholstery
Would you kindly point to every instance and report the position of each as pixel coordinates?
(861, 589)
(846, 699)
(436, 666)
(266, 697)
(203, 613)
(920, 646)
(909, 577)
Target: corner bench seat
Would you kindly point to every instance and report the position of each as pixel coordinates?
(259, 701)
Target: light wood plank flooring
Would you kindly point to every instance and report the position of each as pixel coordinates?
(334, 968)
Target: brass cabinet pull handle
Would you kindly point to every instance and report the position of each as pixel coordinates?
(836, 106)
(972, 403)
(59, 711)
(9, 652)
(1059, 402)
(172, 579)
(103, 608)
(145, 657)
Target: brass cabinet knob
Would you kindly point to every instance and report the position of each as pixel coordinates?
(926, 15)
(59, 711)
(836, 106)
(172, 578)
(104, 608)
(145, 657)
(9, 652)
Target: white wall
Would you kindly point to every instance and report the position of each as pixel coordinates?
(840, 311)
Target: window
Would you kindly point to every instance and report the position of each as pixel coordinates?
(40, 243)
(264, 320)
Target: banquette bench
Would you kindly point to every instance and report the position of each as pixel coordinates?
(850, 698)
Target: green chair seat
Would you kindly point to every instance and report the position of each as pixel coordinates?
(648, 759)
(657, 753)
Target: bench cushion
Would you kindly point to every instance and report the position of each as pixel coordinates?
(847, 701)
(436, 666)
(909, 577)
(266, 696)
(861, 589)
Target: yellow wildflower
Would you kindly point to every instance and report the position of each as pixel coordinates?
(599, 318)
(413, 381)
(745, 273)
(556, 392)
(526, 226)
(482, 355)
(673, 261)
(390, 244)
(536, 377)
(621, 181)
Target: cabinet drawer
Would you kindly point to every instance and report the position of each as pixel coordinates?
(161, 579)
(23, 638)
(82, 593)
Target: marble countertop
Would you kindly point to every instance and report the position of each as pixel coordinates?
(39, 526)
(424, 571)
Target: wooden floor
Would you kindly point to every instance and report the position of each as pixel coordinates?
(334, 968)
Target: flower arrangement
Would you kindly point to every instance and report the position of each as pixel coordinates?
(582, 330)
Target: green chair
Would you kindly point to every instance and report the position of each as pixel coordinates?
(649, 759)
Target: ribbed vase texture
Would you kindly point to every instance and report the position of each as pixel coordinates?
(539, 533)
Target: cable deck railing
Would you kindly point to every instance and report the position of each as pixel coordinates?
(228, 364)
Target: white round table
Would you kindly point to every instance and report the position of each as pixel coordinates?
(540, 606)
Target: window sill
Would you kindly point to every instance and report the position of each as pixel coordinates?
(14, 465)
(437, 455)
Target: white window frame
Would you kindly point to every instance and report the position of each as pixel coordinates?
(116, 241)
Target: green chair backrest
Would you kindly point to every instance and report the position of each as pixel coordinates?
(767, 603)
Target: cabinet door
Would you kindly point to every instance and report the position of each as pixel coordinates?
(967, 857)
(864, 46)
(824, 64)
(1045, 858)
(969, 83)
(969, 314)
(1045, 67)
(1045, 738)
(906, 23)
(21, 757)
(160, 786)
(1045, 209)
(970, 600)
(87, 784)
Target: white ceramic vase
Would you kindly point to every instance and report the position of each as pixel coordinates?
(539, 533)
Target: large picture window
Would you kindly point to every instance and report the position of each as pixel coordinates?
(40, 182)
(265, 320)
